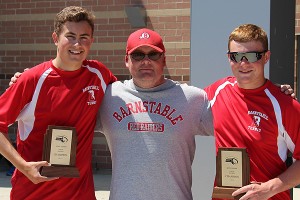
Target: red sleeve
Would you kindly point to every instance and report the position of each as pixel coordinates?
(211, 89)
(291, 123)
(15, 98)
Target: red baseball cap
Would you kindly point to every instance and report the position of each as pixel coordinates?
(144, 37)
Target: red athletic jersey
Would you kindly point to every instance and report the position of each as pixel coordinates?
(264, 120)
(45, 95)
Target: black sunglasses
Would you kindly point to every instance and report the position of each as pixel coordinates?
(252, 56)
(138, 56)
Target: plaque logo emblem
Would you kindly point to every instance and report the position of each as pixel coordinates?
(232, 160)
(63, 139)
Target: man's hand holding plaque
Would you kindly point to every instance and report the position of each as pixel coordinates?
(233, 172)
(60, 144)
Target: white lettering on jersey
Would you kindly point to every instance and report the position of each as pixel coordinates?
(91, 87)
(91, 94)
(256, 119)
(251, 112)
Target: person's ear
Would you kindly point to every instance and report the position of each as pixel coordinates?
(55, 38)
(126, 61)
(165, 60)
(267, 56)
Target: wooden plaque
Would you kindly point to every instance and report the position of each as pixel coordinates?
(233, 172)
(60, 144)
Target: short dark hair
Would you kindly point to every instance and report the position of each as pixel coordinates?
(73, 14)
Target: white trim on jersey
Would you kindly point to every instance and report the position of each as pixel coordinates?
(26, 117)
(219, 89)
(96, 71)
(284, 141)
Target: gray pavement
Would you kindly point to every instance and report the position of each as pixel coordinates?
(102, 183)
(101, 179)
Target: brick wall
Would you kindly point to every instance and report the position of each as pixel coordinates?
(25, 40)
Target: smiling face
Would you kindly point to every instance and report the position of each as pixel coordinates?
(73, 45)
(249, 75)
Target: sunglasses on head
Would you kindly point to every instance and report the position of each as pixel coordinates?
(138, 56)
(252, 56)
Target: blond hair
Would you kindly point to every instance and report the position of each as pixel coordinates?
(248, 33)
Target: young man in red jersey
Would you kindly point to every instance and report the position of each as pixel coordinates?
(249, 111)
(65, 91)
